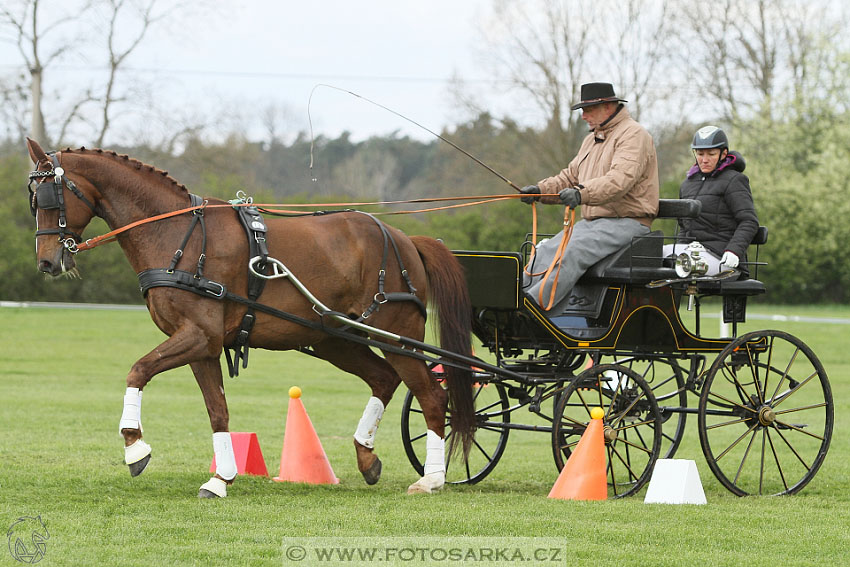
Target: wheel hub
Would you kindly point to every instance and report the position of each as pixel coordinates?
(767, 416)
(609, 433)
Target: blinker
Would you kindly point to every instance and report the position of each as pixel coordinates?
(46, 196)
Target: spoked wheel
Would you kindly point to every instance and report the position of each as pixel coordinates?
(765, 414)
(492, 411)
(631, 424)
(666, 378)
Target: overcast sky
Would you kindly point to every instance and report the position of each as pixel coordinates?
(399, 54)
(229, 60)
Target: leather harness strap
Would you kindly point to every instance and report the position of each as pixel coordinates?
(255, 228)
(382, 297)
(252, 221)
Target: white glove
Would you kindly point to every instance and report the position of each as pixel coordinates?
(729, 260)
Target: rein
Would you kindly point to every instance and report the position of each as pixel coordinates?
(569, 223)
(274, 208)
(52, 197)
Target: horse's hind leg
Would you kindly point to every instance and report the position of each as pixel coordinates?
(381, 378)
(208, 375)
(433, 400)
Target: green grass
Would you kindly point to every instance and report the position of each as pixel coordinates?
(63, 378)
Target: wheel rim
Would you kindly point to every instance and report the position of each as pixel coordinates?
(765, 414)
(632, 434)
(492, 410)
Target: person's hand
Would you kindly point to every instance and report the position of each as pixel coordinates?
(530, 190)
(570, 197)
(729, 260)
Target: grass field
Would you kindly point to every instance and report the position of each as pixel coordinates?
(61, 389)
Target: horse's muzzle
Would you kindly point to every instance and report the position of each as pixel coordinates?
(62, 262)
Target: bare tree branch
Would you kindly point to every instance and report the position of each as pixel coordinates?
(117, 55)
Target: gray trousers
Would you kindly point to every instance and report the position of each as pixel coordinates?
(590, 242)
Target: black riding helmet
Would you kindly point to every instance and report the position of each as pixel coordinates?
(709, 137)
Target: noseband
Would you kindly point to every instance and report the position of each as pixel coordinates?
(50, 195)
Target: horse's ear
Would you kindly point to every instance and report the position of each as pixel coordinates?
(36, 153)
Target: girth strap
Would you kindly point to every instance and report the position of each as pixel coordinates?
(255, 228)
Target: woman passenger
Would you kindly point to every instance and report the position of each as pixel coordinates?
(727, 222)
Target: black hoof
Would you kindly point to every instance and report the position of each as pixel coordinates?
(137, 467)
(204, 493)
(373, 475)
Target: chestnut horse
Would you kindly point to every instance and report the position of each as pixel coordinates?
(337, 258)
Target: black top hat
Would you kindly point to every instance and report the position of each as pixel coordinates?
(597, 93)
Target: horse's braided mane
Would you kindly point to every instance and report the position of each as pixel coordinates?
(130, 161)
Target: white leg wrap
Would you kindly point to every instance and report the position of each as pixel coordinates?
(136, 452)
(435, 466)
(225, 460)
(368, 426)
(216, 486)
(132, 416)
(435, 458)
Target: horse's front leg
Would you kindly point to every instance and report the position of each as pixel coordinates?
(184, 346)
(382, 380)
(209, 378)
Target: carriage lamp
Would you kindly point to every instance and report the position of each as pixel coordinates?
(692, 262)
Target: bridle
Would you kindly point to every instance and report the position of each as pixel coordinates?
(49, 195)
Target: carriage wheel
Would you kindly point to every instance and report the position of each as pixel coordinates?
(631, 424)
(765, 414)
(666, 378)
(492, 410)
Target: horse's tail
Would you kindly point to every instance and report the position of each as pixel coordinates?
(448, 290)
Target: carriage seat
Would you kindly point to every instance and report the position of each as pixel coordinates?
(639, 262)
(642, 260)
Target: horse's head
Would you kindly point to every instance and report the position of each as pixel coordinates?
(62, 208)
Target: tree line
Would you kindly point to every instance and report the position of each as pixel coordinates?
(773, 73)
(799, 194)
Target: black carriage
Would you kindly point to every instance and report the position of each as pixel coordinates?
(764, 405)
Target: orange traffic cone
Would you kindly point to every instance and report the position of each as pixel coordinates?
(584, 476)
(249, 457)
(302, 459)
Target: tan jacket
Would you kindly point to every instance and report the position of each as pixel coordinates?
(619, 173)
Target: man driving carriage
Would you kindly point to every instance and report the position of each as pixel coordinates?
(614, 177)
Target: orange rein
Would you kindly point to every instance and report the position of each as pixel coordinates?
(569, 222)
(476, 200)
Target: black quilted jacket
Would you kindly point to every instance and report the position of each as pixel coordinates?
(728, 219)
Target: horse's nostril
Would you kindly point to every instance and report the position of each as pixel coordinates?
(45, 266)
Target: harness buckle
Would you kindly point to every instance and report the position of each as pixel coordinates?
(218, 294)
(382, 295)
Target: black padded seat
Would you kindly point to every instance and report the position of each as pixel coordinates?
(640, 262)
(742, 287)
(678, 208)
